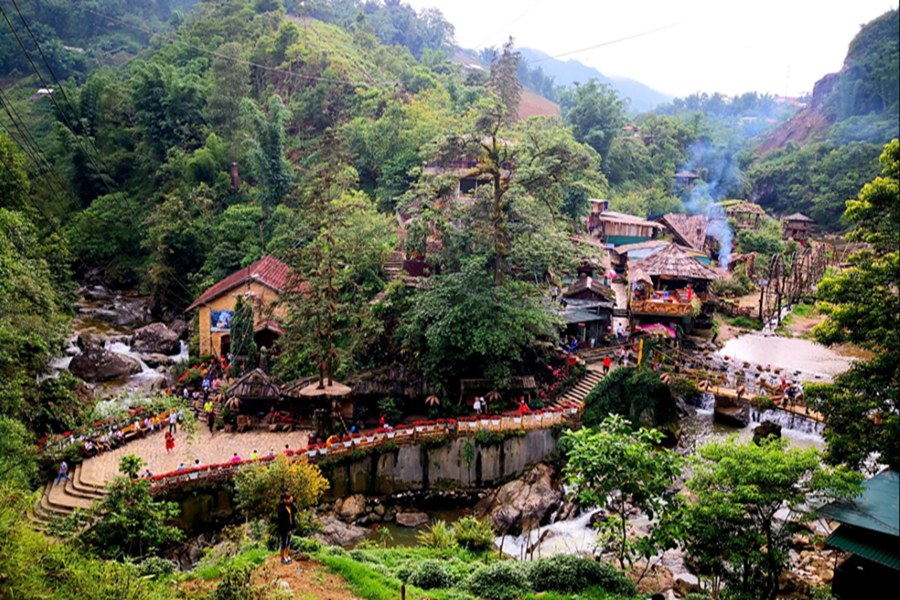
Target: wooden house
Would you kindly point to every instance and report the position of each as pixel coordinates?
(618, 229)
(668, 287)
(685, 178)
(746, 215)
(589, 307)
(262, 283)
(687, 230)
(796, 227)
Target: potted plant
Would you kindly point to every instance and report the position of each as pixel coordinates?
(495, 420)
(429, 426)
(379, 434)
(347, 441)
(322, 448)
(390, 433)
(420, 426)
(370, 436)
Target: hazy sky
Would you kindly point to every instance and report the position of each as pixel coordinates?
(708, 46)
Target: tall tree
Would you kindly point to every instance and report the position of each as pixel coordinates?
(243, 346)
(596, 113)
(266, 149)
(504, 80)
(737, 489)
(862, 304)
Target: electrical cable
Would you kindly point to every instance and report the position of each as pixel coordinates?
(609, 43)
(502, 29)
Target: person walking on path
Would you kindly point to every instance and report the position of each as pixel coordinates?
(285, 514)
(211, 421)
(170, 442)
(607, 363)
(620, 334)
(63, 472)
(173, 421)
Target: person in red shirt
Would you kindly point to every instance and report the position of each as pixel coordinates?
(607, 362)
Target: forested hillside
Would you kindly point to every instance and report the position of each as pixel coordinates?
(816, 161)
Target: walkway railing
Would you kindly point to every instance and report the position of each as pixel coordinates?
(369, 440)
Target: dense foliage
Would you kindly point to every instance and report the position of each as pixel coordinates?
(729, 523)
(632, 392)
(863, 307)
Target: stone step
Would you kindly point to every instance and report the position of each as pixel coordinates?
(57, 497)
(84, 483)
(73, 491)
(51, 509)
(86, 487)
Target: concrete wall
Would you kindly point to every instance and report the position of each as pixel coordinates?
(423, 467)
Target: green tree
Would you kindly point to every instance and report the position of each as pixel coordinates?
(18, 460)
(616, 467)
(14, 183)
(258, 490)
(635, 393)
(862, 305)
(128, 521)
(243, 346)
(266, 149)
(596, 113)
(765, 239)
(730, 522)
(461, 324)
(104, 235)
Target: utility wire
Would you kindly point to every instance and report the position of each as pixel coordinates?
(223, 56)
(502, 29)
(609, 43)
(65, 117)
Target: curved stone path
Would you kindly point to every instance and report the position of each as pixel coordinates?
(208, 448)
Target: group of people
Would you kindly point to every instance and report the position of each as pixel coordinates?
(99, 444)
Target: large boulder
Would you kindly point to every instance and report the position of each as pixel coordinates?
(411, 519)
(351, 508)
(156, 360)
(90, 340)
(156, 338)
(181, 329)
(96, 364)
(335, 532)
(524, 503)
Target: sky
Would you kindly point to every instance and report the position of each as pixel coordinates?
(768, 46)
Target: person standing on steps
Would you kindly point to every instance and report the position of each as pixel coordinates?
(607, 363)
(63, 472)
(285, 514)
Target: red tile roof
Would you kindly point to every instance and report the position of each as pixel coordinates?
(269, 271)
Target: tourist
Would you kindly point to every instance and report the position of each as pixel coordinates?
(607, 363)
(137, 428)
(187, 395)
(272, 451)
(381, 421)
(254, 455)
(285, 514)
(476, 406)
(173, 421)
(148, 474)
(236, 458)
(170, 442)
(211, 421)
(287, 449)
(623, 356)
(620, 334)
(63, 472)
(148, 424)
(181, 467)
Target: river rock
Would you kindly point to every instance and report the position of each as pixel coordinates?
(656, 579)
(156, 338)
(155, 360)
(522, 503)
(180, 328)
(765, 430)
(411, 519)
(335, 532)
(90, 340)
(95, 364)
(790, 585)
(682, 588)
(351, 508)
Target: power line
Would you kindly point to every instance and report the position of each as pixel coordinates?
(609, 43)
(502, 29)
(224, 56)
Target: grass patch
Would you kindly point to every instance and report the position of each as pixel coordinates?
(803, 310)
(591, 593)
(253, 555)
(743, 322)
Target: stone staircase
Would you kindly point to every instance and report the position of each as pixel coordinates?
(61, 500)
(577, 394)
(393, 268)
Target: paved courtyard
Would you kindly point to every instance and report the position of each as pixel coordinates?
(209, 449)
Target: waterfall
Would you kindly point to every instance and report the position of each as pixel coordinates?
(788, 421)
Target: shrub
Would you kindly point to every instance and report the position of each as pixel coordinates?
(474, 534)
(430, 574)
(438, 536)
(505, 580)
(696, 596)
(305, 544)
(565, 573)
(614, 581)
(156, 567)
(237, 584)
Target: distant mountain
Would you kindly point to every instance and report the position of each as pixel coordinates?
(643, 98)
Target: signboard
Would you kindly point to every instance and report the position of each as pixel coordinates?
(220, 320)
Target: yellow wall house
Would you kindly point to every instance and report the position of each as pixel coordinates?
(262, 282)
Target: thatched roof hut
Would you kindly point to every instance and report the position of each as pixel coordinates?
(396, 380)
(674, 263)
(255, 385)
(688, 230)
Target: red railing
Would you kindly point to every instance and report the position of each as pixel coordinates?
(401, 435)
